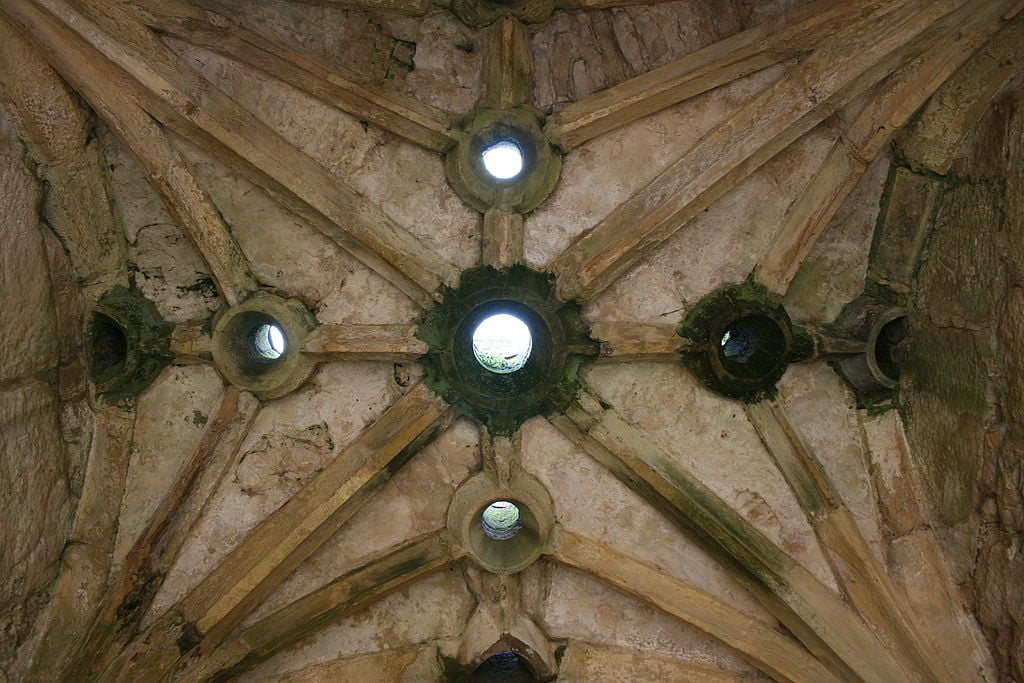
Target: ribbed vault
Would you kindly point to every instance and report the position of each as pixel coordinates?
(300, 523)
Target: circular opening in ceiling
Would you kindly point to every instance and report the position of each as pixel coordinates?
(502, 343)
(507, 667)
(267, 341)
(109, 343)
(500, 520)
(752, 346)
(503, 159)
(888, 346)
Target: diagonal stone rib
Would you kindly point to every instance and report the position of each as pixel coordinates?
(391, 343)
(630, 342)
(508, 66)
(85, 562)
(165, 168)
(858, 571)
(130, 593)
(848, 64)
(205, 23)
(285, 539)
(105, 31)
(706, 69)
(344, 596)
(773, 653)
(824, 623)
(891, 107)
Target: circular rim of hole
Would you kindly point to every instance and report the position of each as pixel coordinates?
(491, 352)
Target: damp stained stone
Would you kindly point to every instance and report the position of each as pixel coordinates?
(492, 389)
(128, 342)
(740, 343)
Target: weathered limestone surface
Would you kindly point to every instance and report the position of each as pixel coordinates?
(578, 53)
(833, 273)
(407, 665)
(432, 611)
(167, 270)
(580, 607)
(171, 416)
(718, 445)
(590, 501)
(407, 182)
(414, 503)
(286, 446)
(604, 172)
(963, 393)
(35, 498)
(588, 662)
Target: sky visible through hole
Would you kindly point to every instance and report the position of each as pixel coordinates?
(503, 159)
(269, 341)
(502, 343)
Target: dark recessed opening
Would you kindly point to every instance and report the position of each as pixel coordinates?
(752, 346)
(503, 667)
(109, 343)
(888, 347)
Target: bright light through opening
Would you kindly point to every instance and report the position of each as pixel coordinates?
(268, 342)
(503, 159)
(500, 520)
(502, 343)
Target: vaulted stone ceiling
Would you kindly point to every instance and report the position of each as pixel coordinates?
(172, 168)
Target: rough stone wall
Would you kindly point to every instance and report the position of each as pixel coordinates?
(964, 398)
(36, 474)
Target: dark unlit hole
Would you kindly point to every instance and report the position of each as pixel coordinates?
(109, 343)
(503, 667)
(889, 346)
(752, 346)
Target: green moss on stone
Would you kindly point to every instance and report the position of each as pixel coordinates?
(549, 380)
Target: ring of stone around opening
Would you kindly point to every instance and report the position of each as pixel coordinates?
(233, 339)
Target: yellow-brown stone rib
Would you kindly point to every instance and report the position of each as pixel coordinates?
(778, 656)
(153, 554)
(826, 625)
(269, 554)
(106, 32)
(630, 342)
(204, 24)
(886, 34)
(345, 595)
(391, 343)
(508, 66)
(894, 102)
(858, 571)
(706, 69)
